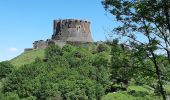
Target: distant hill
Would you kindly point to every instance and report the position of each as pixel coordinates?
(27, 57)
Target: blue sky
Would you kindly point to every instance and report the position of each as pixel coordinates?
(24, 21)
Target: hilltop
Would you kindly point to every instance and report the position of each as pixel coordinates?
(28, 57)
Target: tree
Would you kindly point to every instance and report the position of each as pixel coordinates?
(102, 73)
(103, 48)
(121, 63)
(52, 51)
(149, 19)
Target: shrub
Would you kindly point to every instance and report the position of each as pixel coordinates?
(5, 69)
(103, 48)
(11, 96)
(53, 51)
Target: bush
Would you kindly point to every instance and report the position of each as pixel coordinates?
(11, 96)
(53, 51)
(68, 48)
(167, 88)
(5, 69)
(103, 48)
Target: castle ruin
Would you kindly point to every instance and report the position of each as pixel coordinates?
(67, 31)
(72, 30)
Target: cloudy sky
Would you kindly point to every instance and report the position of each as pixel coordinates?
(24, 21)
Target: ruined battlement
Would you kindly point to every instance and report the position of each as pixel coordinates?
(67, 31)
(72, 30)
(40, 44)
(72, 21)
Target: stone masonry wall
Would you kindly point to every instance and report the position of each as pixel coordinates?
(67, 31)
(72, 30)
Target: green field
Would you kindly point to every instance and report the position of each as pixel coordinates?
(27, 57)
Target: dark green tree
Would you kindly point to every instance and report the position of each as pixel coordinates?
(148, 19)
(122, 64)
(53, 51)
(103, 48)
(5, 69)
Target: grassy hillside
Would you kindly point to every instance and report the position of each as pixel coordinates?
(27, 57)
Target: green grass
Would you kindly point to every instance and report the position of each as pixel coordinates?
(27, 57)
(118, 96)
(140, 88)
(133, 93)
(126, 96)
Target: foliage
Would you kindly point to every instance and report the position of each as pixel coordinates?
(147, 19)
(53, 51)
(81, 73)
(9, 96)
(68, 73)
(167, 88)
(126, 96)
(121, 63)
(103, 47)
(5, 69)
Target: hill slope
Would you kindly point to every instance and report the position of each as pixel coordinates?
(27, 57)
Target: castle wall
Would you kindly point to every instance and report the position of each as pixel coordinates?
(40, 44)
(72, 30)
(28, 49)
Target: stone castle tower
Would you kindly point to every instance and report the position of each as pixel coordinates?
(72, 30)
(66, 31)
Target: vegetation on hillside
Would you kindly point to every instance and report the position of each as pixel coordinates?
(94, 71)
(67, 73)
(27, 57)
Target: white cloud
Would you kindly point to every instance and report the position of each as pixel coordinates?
(13, 49)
